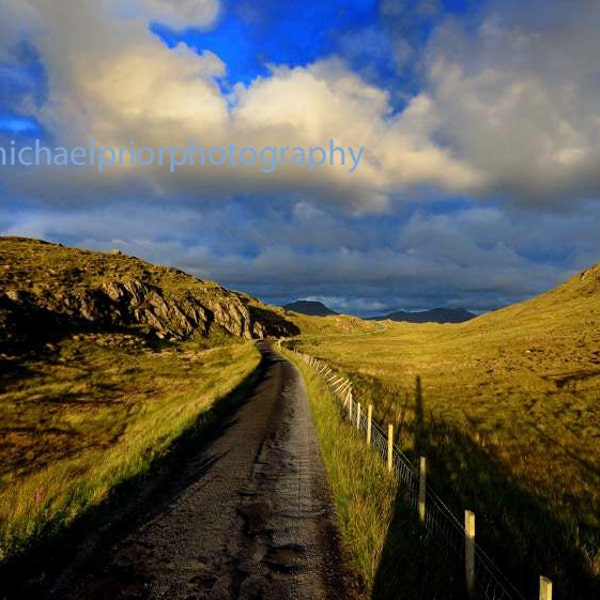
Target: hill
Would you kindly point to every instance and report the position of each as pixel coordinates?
(106, 361)
(435, 315)
(505, 406)
(311, 308)
(48, 289)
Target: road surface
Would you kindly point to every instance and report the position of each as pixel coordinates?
(255, 520)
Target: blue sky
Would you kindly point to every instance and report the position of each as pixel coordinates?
(480, 122)
(249, 36)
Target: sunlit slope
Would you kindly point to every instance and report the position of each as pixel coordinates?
(331, 325)
(511, 412)
(546, 344)
(565, 323)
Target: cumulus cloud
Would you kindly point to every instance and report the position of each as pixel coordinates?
(112, 80)
(179, 14)
(510, 107)
(478, 257)
(19, 20)
(517, 99)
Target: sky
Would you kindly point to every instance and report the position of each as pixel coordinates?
(480, 119)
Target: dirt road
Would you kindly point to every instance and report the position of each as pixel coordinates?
(254, 522)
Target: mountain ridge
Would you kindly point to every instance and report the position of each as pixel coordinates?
(311, 308)
(434, 315)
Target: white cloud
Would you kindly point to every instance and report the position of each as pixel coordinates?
(479, 257)
(18, 20)
(112, 80)
(179, 14)
(519, 101)
(513, 107)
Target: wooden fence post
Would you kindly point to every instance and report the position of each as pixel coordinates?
(470, 552)
(422, 487)
(390, 456)
(369, 424)
(358, 415)
(545, 588)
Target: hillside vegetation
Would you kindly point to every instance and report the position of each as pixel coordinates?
(507, 408)
(92, 413)
(105, 362)
(47, 289)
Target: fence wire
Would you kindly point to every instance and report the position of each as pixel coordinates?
(441, 524)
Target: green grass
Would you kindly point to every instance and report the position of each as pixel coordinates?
(378, 527)
(362, 489)
(506, 408)
(94, 413)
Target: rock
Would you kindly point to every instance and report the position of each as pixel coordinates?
(93, 292)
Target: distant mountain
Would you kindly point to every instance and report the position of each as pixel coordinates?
(435, 315)
(309, 307)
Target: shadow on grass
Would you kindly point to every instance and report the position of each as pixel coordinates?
(413, 565)
(515, 528)
(275, 324)
(130, 503)
(13, 370)
(28, 327)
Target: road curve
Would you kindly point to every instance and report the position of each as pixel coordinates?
(254, 522)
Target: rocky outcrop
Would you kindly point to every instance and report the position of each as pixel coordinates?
(158, 301)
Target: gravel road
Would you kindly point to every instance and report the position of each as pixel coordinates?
(254, 520)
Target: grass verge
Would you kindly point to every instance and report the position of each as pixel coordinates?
(505, 407)
(92, 416)
(362, 489)
(390, 553)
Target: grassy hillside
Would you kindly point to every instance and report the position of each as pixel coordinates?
(92, 412)
(47, 289)
(334, 326)
(507, 408)
(105, 361)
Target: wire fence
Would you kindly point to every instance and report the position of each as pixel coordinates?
(440, 523)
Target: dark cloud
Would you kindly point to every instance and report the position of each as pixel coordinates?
(480, 257)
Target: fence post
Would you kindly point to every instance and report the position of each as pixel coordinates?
(390, 457)
(358, 416)
(350, 403)
(470, 552)
(369, 424)
(545, 588)
(422, 487)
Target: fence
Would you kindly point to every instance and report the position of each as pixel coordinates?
(483, 579)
